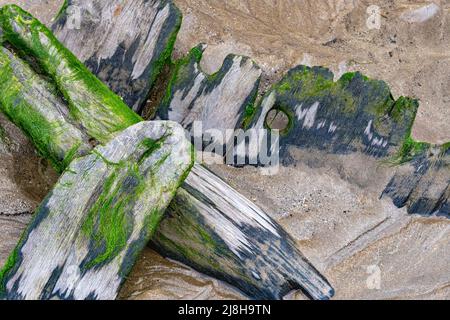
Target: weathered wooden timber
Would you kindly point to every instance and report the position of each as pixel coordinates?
(90, 102)
(235, 241)
(357, 114)
(133, 41)
(220, 101)
(236, 205)
(422, 184)
(88, 232)
(354, 114)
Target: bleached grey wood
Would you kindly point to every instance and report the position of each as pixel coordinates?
(130, 180)
(219, 101)
(225, 235)
(125, 43)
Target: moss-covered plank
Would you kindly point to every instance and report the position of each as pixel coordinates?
(89, 230)
(125, 43)
(216, 230)
(31, 103)
(221, 100)
(354, 114)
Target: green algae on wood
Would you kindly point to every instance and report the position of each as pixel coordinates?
(30, 102)
(126, 44)
(86, 233)
(220, 100)
(82, 90)
(353, 114)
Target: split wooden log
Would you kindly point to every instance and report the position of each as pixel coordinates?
(221, 101)
(133, 41)
(88, 232)
(28, 28)
(357, 114)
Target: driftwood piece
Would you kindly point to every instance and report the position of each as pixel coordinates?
(423, 183)
(235, 241)
(237, 205)
(220, 101)
(357, 114)
(125, 43)
(354, 114)
(87, 233)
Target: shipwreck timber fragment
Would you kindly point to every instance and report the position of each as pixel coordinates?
(89, 230)
(133, 41)
(357, 114)
(354, 114)
(306, 277)
(221, 101)
(423, 183)
(80, 88)
(235, 241)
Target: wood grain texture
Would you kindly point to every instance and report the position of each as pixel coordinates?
(220, 101)
(133, 41)
(423, 184)
(89, 230)
(102, 113)
(232, 239)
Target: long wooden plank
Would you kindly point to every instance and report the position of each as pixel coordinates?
(234, 240)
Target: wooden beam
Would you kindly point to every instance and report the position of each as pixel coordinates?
(88, 232)
(220, 101)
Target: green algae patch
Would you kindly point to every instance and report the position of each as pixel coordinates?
(409, 150)
(7, 268)
(106, 222)
(180, 72)
(165, 59)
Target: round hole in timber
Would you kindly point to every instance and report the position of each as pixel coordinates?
(277, 119)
